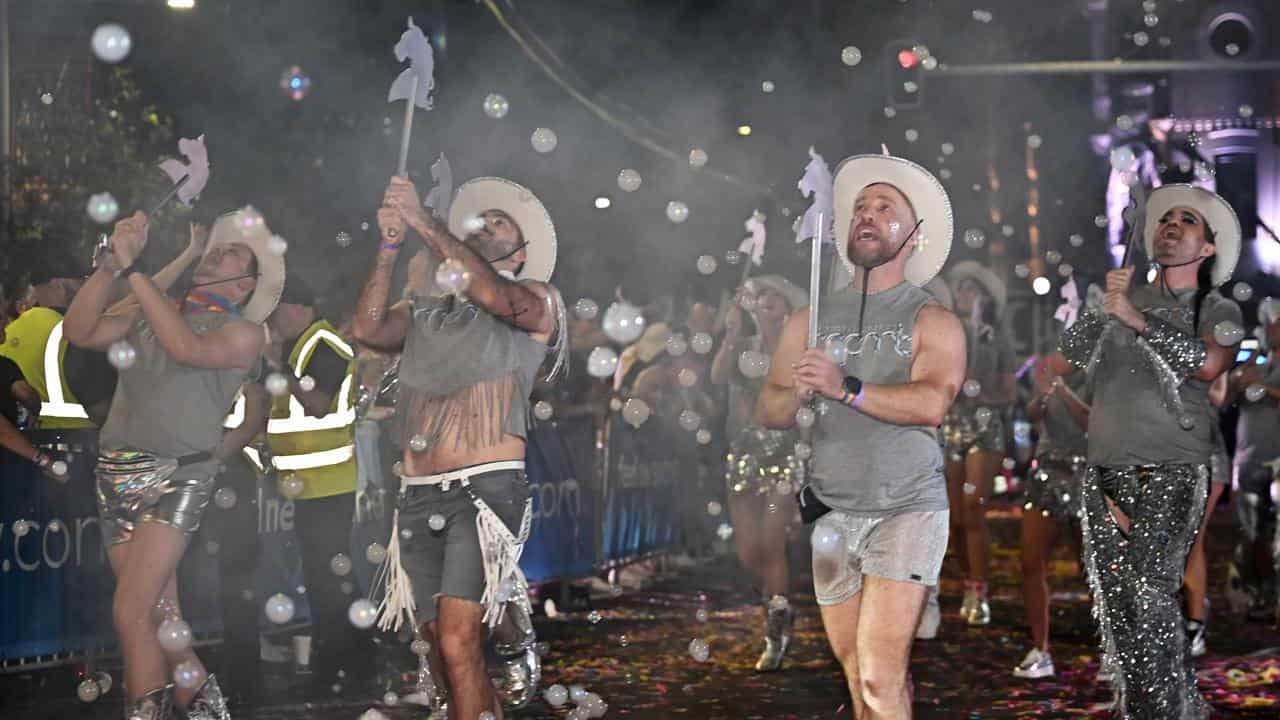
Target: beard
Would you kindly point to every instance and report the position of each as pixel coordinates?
(869, 256)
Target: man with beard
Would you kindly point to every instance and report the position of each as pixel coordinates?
(470, 355)
(888, 362)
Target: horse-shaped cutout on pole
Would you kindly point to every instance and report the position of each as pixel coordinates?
(414, 84)
(189, 178)
(816, 183)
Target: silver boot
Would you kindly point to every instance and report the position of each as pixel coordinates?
(777, 636)
(155, 705)
(519, 668)
(208, 704)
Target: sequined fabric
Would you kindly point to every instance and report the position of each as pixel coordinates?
(1136, 576)
(969, 430)
(1079, 342)
(1183, 352)
(760, 462)
(1054, 488)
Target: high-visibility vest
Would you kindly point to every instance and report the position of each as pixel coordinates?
(36, 344)
(320, 451)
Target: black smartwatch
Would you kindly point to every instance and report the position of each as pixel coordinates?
(852, 385)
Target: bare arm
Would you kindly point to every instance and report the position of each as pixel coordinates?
(374, 324)
(86, 323)
(1218, 359)
(777, 405)
(1077, 407)
(170, 273)
(257, 407)
(234, 345)
(937, 370)
(27, 395)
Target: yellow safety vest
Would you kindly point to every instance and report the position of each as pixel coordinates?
(36, 344)
(320, 451)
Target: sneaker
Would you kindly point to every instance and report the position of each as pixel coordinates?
(1037, 664)
(931, 618)
(777, 636)
(1195, 632)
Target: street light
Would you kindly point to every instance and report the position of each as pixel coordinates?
(182, 4)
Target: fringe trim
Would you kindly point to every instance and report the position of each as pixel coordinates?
(475, 416)
(397, 600)
(560, 348)
(501, 552)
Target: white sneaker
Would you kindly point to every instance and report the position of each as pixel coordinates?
(1195, 631)
(931, 618)
(1037, 664)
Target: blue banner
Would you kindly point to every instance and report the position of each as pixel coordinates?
(560, 463)
(641, 507)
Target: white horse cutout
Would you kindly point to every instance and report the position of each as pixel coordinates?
(414, 47)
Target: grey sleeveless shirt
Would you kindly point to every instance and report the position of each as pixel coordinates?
(167, 408)
(862, 465)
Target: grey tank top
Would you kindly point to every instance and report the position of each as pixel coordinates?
(464, 374)
(861, 465)
(1059, 433)
(1258, 434)
(167, 408)
(1129, 421)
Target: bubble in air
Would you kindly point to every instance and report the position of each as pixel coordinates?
(225, 497)
(88, 690)
(188, 674)
(102, 207)
(850, 55)
(279, 608)
(111, 42)
(706, 264)
(586, 309)
(291, 486)
(362, 614)
(602, 362)
(1242, 291)
(677, 345)
(375, 553)
(1227, 333)
(974, 238)
(690, 420)
(971, 388)
(697, 157)
(340, 564)
(753, 364)
(629, 180)
(496, 106)
(174, 635)
(121, 355)
(703, 436)
(701, 343)
(417, 443)
(452, 276)
(677, 212)
(542, 410)
(544, 140)
(436, 522)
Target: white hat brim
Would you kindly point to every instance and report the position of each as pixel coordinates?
(927, 196)
(247, 227)
(493, 193)
(1216, 211)
(994, 286)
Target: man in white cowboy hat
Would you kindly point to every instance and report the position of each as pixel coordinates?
(468, 367)
(888, 363)
(1152, 353)
(181, 365)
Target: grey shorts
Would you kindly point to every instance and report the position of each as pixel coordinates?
(448, 561)
(907, 547)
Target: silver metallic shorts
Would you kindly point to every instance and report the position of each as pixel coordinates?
(907, 547)
(969, 430)
(1055, 487)
(135, 487)
(762, 462)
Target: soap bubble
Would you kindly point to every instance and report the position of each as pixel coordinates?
(803, 450)
(307, 383)
(635, 411)
(1100, 220)
(1246, 111)
(225, 497)
(188, 674)
(1141, 39)
(343, 238)
(340, 564)
(1255, 392)
(362, 614)
(375, 553)
(1232, 49)
(697, 158)
(982, 16)
(111, 42)
(544, 140)
(279, 608)
(698, 650)
(59, 469)
(103, 208)
(890, 111)
(542, 410)
(277, 384)
(766, 86)
(690, 420)
(1241, 291)
(706, 264)
(1053, 257)
(436, 522)
(88, 690)
(121, 355)
(556, 695)
(1076, 240)
(594, 617)
(295, 83)
(983, 416)
(420, 647)
(725, 531)
(629, 180)
(1034, 141)
(277, 245)
(1022, 270)
(837, 352)
(1006, 230)
(390, 699)
(1227, 333)
(452, 276)
(677, 212)
(850, 55)
(46, 98)
(912, 134)
(586, 309)
(805, 417)
(753, 364)
(417, 443)
(687, 377)
(733, 257)
(971, 388)
(496, 106)
(623, 322)
(701, 343)
(291, 486)
(1065, 269)
(174, 635)
(1186, 422)
(714, 509)
(701, 615)
(677, 345)
(974, 238)
(1122, 158)
(602, 362)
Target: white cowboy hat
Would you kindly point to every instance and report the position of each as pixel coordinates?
(794, 296)
(922, 190)
(247, 227)
(989, 281)
(1217, 213)
(494, 193)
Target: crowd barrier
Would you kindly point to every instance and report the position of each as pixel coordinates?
(599, 497)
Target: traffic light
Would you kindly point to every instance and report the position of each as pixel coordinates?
(904, 73)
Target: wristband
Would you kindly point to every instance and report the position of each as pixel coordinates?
(390, 246)
(127, 270)
(857, 399)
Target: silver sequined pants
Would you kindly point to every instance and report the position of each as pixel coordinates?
(1136, 577)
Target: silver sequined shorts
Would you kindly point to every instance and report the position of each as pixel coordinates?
(1055, 487)
(761, 462)
(907, 547)
(967, 430)
(177, 498)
